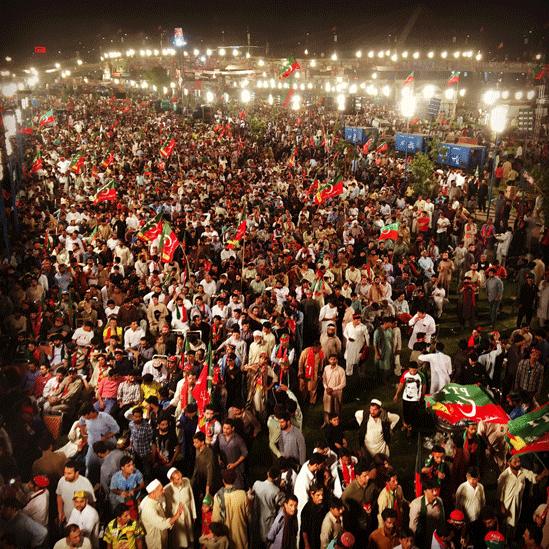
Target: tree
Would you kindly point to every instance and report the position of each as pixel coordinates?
(422, 168)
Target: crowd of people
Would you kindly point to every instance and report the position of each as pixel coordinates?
(275, 303)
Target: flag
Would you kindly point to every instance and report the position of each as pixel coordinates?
(77, 161)
(200, 391)
(167, 149)
(455, 403)
(409, 79)
(108, 161)
(240, 232)
(313, 188)
(382, 148)
(93, 234)
(291, 159)
(288, 97)
(530, 432)
(168, 243)
(26, 131)
(389, 232)
(152, 229)
(290, 66)
(37, 162)
(106, 193)
(538, 72)
(47, 118)
(333, 188)
(367, 145)
(454, 78)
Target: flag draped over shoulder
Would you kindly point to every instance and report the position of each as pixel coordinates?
(530, 432)
(389, 232)
(152, 229)
(106, 193)
(455, 403)
(333, 188)
(290, 66)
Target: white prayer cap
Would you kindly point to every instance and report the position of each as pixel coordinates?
(258, 333)
(376, 402)
(153, 485)
(171, 472)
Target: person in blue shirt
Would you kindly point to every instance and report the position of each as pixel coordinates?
(96, 426)
(126, 484)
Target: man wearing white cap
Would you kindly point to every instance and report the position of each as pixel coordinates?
(154, 518)
(258, 346)
(376, 425)
(179, 493)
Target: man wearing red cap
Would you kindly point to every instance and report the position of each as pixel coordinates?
(38, 502)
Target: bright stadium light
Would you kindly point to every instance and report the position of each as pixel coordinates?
(489, 97)
(498, 118)
(210, 97)
(450, 94)
(245, 96)
(428, 91)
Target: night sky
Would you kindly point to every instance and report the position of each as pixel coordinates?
(61, 24)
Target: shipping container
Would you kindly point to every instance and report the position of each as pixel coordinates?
(358, 135)
(466, 157)
(411, 143)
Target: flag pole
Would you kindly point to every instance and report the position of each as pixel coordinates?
(243, 252)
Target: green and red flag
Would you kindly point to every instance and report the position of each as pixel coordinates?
(93, 234)
(108, 161)
(37, 163)
(409, 79)
(168, 243)
(333, 188)
(367, 145)
(47, 118)
(152, 229)
(167, 149)
(240, 232)
(288, 98)
(25, 131)
(292, 157)
(530, 432)
(313, 188)
(77, 162)
(382, 148)
(106, 193)
(454, 78)
(539, 71)
(290, 66)
(389, 232)
(456, 403)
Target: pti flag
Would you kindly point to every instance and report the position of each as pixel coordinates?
(108, 161)
(77, 162)
(409, 79)
(530, 432)
(200, 391)
(47, 118)
(455, 403)
(152, 229)
(290, 66)
(389, 232)
(240, 232)
(106, 193)
(313, 188)
(37, 163)
(367, 145)
(454, 78)
(329, 190)
(382, 148)
(167, 149)
(539, 71)
(168, 243)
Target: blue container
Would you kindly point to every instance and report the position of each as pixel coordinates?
(410, 143)
(358, 135)
(466, 157)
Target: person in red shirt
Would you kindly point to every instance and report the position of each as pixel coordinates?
(40, 382)
(423, 221)
(107, 391)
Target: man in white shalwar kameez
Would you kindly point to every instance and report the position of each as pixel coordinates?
(356, 336)
(179, 492)
(153, 517)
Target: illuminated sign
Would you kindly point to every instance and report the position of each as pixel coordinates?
(39, 49)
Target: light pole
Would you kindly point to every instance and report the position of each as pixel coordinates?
(407, 109)
(498, 121)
